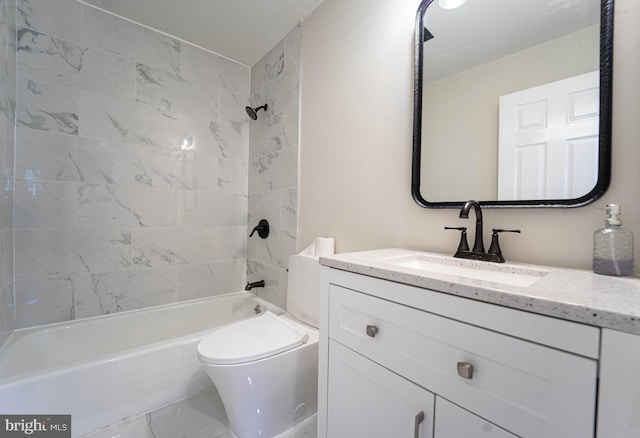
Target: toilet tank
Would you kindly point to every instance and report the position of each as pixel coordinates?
(303, 290)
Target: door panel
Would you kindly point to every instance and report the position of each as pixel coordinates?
(548, 143)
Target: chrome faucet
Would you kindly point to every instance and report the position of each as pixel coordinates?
(477, 253)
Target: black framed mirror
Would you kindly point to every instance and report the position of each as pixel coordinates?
(512, 102)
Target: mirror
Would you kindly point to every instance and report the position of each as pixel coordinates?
(512, 103)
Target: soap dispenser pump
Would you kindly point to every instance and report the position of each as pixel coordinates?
(613, 246)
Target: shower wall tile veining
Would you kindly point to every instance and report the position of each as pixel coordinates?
(7, 131)
(131, 167)
(273, 161)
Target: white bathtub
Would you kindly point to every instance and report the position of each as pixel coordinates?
(105, 369)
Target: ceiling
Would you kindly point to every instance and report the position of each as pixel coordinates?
(482, 31)
(479, 31)
(242, 30)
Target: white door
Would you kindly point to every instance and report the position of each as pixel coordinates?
(548, 142)
(368, 401)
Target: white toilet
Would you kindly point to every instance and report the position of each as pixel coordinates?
(266, 368)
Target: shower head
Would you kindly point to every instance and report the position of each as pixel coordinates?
(253, 112)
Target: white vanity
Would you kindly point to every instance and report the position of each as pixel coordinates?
(422, 345)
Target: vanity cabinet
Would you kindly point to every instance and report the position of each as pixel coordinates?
(390, 351)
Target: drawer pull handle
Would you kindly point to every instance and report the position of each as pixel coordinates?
(465, 370)
(416, 425)
(372, 331)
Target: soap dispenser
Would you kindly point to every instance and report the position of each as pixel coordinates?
(613, 246)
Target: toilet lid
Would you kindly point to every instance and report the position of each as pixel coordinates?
(249, 340)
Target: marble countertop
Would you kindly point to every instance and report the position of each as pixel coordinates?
(570, 294)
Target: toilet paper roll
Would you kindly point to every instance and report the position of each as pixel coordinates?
(324, 246)
(321, 246)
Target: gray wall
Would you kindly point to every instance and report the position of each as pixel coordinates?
(355, 141)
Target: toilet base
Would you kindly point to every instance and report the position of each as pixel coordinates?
(268, 397)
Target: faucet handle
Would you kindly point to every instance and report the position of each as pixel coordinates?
(495, 245)
(500, 230)
(463, 245)
(262, 228)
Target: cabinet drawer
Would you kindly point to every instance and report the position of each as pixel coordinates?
(526, 388)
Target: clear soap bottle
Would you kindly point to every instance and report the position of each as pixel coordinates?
(613, 246)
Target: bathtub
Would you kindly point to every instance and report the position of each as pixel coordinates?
(105, 369)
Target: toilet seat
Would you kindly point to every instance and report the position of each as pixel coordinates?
(250, 340)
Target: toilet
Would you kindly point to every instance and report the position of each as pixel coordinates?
(266, 368)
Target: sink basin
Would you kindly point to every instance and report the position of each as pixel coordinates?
(510, 275)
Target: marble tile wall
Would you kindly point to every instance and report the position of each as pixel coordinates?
(273, 165)
(7, 149)
(131, 166)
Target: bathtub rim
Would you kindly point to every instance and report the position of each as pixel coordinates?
(18, 334)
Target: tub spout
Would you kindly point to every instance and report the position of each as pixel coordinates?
(250, 286)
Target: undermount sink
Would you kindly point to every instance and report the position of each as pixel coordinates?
(519, 276)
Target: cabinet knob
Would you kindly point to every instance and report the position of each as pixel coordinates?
(465, 370)
(372, 331)
(417, 423)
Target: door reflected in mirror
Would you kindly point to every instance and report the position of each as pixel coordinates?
(512, 102)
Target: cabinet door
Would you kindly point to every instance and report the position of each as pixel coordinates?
(454, 422)
(619, 396)
(368, 401)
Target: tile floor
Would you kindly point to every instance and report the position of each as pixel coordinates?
(201, 416)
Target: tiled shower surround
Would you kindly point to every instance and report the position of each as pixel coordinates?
(133, 169)
(273, 157)
(7, 109)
